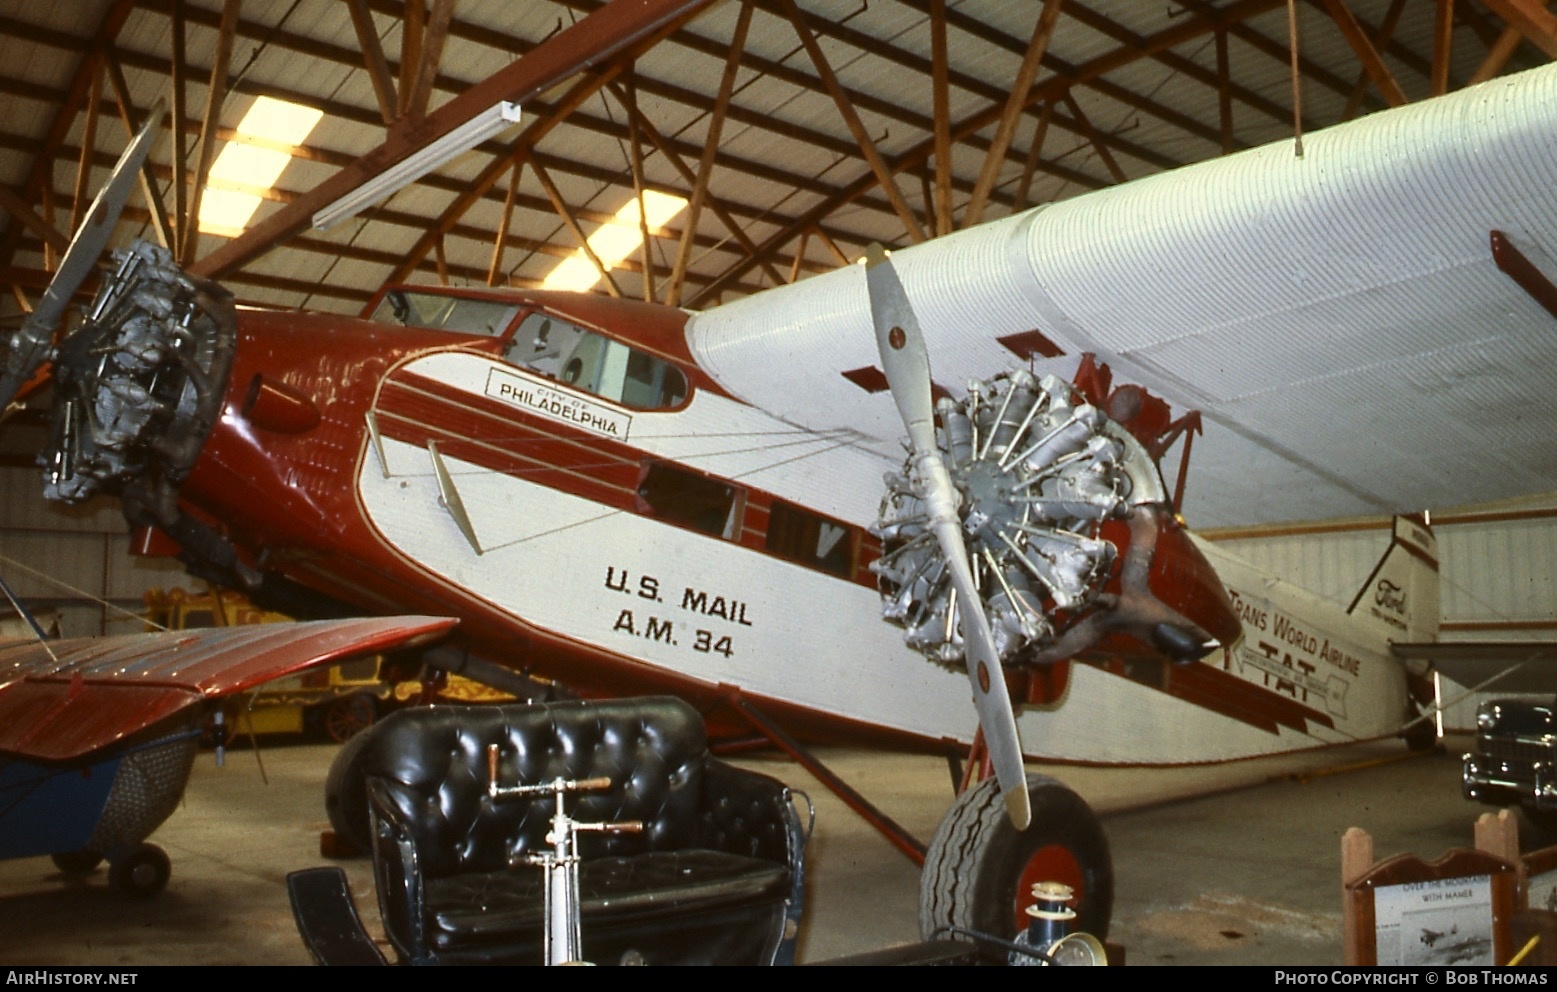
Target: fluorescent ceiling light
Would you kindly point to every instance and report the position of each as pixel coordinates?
(614, 241)
(251, 162)
(420, 162)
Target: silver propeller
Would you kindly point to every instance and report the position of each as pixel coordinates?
(31, 344)
(907, 365)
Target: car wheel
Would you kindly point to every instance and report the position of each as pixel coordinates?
(348, 716)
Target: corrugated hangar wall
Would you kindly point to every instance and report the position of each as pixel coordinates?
(1498, 569)
(75, 560)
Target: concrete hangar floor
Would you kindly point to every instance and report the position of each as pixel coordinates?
(1237, 864)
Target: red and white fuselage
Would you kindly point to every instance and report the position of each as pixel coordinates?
(654, 533)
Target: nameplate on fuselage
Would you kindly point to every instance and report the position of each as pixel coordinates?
(537, 395)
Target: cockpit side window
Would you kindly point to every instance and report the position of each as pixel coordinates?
(439, 312)
(595, 364)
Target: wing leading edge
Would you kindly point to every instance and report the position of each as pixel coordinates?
(94, 692)
(1338, 318)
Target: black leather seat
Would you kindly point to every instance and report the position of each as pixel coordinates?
(715, 877)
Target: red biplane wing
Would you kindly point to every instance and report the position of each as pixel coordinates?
(93, 692)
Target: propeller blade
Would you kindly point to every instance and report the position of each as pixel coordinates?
(906, 362)
(30, 345)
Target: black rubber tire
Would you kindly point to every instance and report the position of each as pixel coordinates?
(1421, 737)
(81, 862)
(346, 794)
(141, 873)
(979, 869)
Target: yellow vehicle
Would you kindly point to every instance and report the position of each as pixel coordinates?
(336, 701)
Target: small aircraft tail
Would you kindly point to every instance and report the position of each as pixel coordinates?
(1401, 594)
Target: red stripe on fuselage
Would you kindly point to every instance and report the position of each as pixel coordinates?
(496, 436)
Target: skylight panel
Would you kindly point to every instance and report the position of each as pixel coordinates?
(249, 165)
(615, 240)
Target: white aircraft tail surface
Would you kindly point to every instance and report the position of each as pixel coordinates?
(1400, 597)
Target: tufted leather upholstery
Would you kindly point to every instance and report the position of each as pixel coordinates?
(715, 876)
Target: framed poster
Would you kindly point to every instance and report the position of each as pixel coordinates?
(1453, 911)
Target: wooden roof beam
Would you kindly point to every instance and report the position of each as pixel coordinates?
(628, 95)
(1034, 152)
(374, 62)
(660, 88)
(1050, 90)
(690, 178)
(39, 173)
(24, 213)
(433, 35)
(705, 166)
(940, 84)
(1395, 48)
(1366, 53)
(346, 112)
(554, 164)
(1443, 46)
(601, 35)
(1499, 52)
(1531, 19)
(878, 165)
(1272, 48)
(1381, 39)
(521, 147)
(216, 95)
(500, 239)
(1186, 67)
(132, 126)
(331, 249)
(177, 155)
(1224, 95)
(566, 213)
(413, 20)
(1016, 103)
(1091, 134)
(80, 200)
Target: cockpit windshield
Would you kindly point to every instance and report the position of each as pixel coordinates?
(439, 312)
(596, 364)
(546, 344)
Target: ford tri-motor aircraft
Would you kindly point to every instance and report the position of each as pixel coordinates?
(626, 497)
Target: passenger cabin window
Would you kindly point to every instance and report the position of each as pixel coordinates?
(596, 364)
(444, 313)
(687, 499)
(811, 539)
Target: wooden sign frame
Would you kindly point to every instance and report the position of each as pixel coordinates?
(1455, 910)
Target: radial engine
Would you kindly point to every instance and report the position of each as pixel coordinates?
(1040, 471)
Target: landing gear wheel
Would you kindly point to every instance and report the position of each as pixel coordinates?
(1421, 737)
(979, 871)
(348, 716)
(76, 862)
(143, 872)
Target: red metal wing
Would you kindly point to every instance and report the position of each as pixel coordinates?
(94, 692)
